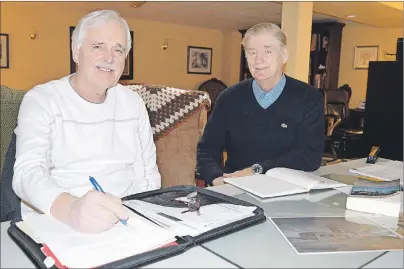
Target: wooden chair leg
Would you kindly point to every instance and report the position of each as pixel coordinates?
(200, 183)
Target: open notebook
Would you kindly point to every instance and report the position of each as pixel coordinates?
(162, 223)
(78, 250)
(282, 181)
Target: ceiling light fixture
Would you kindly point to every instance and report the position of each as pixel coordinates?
(351, 16)
(137, 4)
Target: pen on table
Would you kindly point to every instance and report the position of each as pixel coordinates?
(98, 188)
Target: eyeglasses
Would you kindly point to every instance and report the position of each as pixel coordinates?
(193, 203)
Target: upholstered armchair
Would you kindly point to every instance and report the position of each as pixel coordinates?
(177, 118)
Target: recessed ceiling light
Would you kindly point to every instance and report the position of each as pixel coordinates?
(138, 4)
(351, 16)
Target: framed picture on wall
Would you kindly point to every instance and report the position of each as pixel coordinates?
(199, 60)
(4, 51)
(363, 55)
(127, 73)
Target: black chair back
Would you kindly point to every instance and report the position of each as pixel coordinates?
(10, 203)
(213, 87)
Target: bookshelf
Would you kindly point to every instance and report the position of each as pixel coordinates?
(325, 51)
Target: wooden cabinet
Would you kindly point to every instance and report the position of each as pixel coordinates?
(325, 52)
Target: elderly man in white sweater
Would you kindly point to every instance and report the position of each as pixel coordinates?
(83, 125)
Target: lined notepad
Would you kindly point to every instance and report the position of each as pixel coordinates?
(78, 250)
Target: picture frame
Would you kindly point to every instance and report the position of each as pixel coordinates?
(4, 51)
(127, 73)
(365, 54)
(199, 60)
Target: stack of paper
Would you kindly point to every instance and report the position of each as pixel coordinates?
(77, 250)
(182, 222)
(385, 171)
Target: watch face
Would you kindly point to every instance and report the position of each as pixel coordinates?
(256, 169)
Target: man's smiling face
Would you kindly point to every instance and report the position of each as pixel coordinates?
(265, 56)
(101, 57)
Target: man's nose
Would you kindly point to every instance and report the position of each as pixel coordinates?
(109, 57)
(259, 57)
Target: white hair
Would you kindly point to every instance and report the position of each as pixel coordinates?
(265, 28)
(98, 18)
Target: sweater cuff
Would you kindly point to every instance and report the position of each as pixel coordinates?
(209, 174)
(267, 165)
(44, 200)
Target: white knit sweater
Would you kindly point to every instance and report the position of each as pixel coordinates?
(62, 140)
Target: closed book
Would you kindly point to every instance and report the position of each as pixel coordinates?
(388, 205)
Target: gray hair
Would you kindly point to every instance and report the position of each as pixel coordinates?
(97, 18)
(265, 28)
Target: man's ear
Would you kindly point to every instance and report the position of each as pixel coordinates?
(75, 54)
(285, 54)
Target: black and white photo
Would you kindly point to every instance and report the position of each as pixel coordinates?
(199, 60)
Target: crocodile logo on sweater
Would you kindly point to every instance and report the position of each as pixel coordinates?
(284, 125)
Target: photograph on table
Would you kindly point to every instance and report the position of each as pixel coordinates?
(321, 235)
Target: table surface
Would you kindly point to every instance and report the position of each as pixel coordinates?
(264, 246)
(261, 245)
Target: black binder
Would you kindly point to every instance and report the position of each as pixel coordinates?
(161, 197)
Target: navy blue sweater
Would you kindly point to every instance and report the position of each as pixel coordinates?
(289, 133)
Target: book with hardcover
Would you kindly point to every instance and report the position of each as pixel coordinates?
(368, 188)
(282, 181)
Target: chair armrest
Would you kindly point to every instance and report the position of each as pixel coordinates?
(332, 122)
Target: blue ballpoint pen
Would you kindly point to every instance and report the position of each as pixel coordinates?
(98, 188)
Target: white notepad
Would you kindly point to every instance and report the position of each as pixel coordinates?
(386, 171)
(185, 223)
(77, 250)
(282, 181)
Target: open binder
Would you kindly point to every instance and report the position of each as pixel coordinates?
(164, 197)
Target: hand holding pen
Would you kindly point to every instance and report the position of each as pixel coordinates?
(98, 188)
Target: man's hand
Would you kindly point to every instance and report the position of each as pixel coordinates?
(218, 181)
(94, 212)
(241, 173)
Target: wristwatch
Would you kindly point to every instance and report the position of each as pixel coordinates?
(257, 169)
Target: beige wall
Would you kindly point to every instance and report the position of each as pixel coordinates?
(354, 35)
(48, 57)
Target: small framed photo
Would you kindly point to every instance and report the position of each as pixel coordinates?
(127, 73)
(363, 55)
(4, 51)
(199, 60)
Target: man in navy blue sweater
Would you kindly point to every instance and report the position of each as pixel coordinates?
(269, 121)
